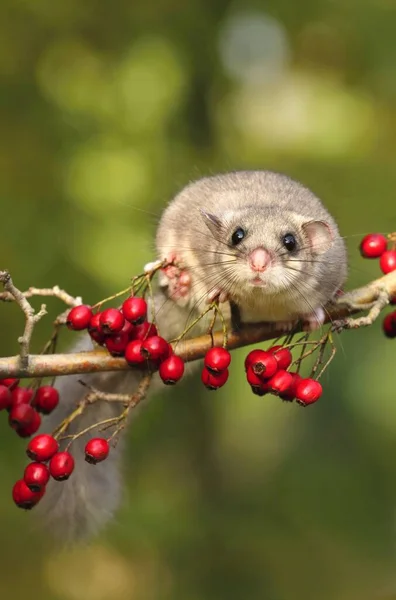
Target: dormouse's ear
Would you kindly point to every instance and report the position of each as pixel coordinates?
(319, 235)
(213, 222)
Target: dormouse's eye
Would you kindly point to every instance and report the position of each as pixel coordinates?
(289, 242)
(238, 235)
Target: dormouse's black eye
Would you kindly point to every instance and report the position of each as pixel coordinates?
(289, 242)
(238, 236)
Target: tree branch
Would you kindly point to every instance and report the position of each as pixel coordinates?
(364, 298)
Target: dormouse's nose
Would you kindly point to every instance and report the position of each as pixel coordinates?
(259, 259)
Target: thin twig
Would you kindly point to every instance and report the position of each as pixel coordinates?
(30, 314)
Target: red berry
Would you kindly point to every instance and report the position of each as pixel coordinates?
(21, 395)
(24, 497)
(135, 310)
(263, 363)
(95, 329)
(61, 466)
(46, 399)
(133, 354)
(36, 476)
(389, 325)
(79, 317)
(96, 450)
(111, 321)
(129, 329)
(117, 343)
(9, 382)
(282, 355)
(308, 391)
(251, 357)
(373, 245)
(171, 370)
(144, 331)
(214, 381)
(155, 348)
(217, 359)
(42, 447)
(5, 397)
(30, 429)
(290, 393)
(388, 261)
(21, 416)
(259, 387)
(280, 382)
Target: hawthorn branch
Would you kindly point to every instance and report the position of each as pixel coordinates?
(31, 317)
(368, 297)
(55, 292)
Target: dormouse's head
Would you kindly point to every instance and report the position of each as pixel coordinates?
(269, 248)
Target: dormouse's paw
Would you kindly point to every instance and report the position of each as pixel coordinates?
(315, 320)
(217, 294)
(176, 279)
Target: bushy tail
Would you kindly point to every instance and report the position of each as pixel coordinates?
(79, 507)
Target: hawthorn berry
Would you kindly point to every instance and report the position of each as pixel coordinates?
(308, 391)
(280, 382)
(133, 354)
(171, 370)
(388, 261)
(96, 450)
(36, 476)
(155, 347)
(129, 329)
(214, 381)
(263, 363)
(24, 497)
(117, 343)
(290, 393)
(95, 329)
(144, 331)
(30, 429)
(42, 447)
(111, 321)
(373, 245)
(61, 466)
(46, 399)
(10, 382)
(258, 386)
(79, 317)
(217, 359)
(21, 395)
(21, 415)
(5, 397)
(282, 355)
(135, 310)
(389, 325)
(251, 357)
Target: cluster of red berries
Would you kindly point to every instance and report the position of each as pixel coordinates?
(266, 373)
(128, 333)
(376, 245)
(25, 404)
(44, 448)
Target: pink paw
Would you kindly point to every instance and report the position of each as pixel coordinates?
(217, 294)
(176, 279)
(315, 320)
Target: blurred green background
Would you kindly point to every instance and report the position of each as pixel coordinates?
(108, 109)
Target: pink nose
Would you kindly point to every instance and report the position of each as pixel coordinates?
(259, 259)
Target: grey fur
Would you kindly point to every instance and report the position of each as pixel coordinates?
(268, 205)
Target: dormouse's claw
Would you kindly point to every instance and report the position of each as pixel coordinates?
(315, 320)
